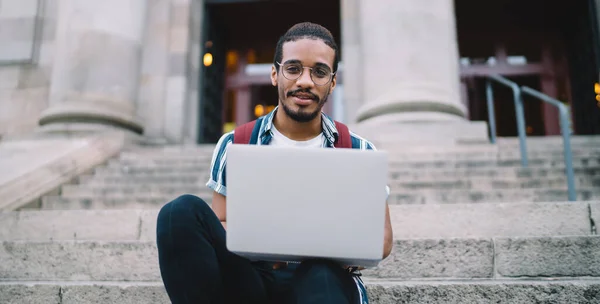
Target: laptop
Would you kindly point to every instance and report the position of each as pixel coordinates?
(290, 204)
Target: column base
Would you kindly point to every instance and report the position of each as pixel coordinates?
(411, 117)
(86, 117)
(411, 111)
(83, 130)
(418, 117)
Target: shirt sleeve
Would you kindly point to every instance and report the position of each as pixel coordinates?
(217, 179)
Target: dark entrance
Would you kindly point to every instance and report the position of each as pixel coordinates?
(243, 32)
(550, 46)
(583, 52)
(211, 94)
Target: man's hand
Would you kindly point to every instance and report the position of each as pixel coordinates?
(219, 202)
(388, 236)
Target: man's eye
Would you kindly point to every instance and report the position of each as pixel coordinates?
(293, 69)
(321, 73)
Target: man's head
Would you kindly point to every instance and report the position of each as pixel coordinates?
(306, 57)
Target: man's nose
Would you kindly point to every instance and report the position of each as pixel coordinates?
(304, 80)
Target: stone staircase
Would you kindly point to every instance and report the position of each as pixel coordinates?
(470, 226)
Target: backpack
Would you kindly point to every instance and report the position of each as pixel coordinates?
(248, 134)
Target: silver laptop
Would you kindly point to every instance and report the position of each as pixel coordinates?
(289, 204)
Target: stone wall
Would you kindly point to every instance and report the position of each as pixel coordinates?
(27, 33)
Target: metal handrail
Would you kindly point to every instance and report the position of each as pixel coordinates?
(565, 130)
(520, 112)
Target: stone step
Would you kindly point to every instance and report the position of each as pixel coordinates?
(169, 148)
(509, 146)
(408, 221)
(421, 154)
(126, 171)
(494, 183)
(429, 196)
(513, 257)
(426, 152)
(95, 200)
(166, 179)
(569, 290)
(400, 183)
(550, 140)
(534, 163)
(111, 176)
(103, 203)
(456, 258)
(393, 171)
(502, 142)
(433, 195)
(516, 172)
(494, 219)
(98, 225)
(593, 161)
(133, 190)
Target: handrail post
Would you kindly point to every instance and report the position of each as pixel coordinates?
(565, 129)
(491, 110)
(520, 112)
(566, 134)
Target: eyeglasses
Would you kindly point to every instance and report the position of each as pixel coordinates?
(320, 75)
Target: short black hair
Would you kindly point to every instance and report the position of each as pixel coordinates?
(311, 31)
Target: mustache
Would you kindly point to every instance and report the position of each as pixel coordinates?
(304, 91)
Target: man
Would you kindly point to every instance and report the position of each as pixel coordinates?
(195, 264)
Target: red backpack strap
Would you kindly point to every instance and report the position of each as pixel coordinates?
(242, 133)
(344, 140)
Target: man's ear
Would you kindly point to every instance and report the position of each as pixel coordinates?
(333, 83)
(274, 76)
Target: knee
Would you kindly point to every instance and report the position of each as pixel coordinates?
(322, 281)
(181, 209)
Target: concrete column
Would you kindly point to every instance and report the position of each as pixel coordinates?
(352, 59)
(409, 61)
(96, 67)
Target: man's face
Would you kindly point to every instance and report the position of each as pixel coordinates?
(302, 99)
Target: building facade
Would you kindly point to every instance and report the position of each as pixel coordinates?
(184, 71)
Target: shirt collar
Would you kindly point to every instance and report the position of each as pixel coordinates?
(328, 126)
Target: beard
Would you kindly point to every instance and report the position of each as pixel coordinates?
(301, 115)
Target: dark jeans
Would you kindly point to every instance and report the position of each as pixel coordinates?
(196, 266)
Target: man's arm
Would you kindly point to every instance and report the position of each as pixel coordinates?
(219, 202)
(388, 237)
(217, 181)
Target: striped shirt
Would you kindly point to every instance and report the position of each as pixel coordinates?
(217, 180)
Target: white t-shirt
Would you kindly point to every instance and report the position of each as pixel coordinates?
(282, 141)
